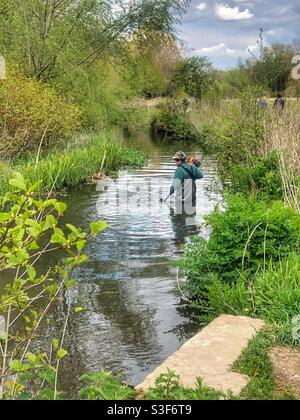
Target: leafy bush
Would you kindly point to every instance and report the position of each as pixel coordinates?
(137, 118)
(29, 232)
(246, 237)
(32, 115)
(262, 177)
(103, 386)
(277, 296)
(241, 133)
(172, 123)
(167, 387)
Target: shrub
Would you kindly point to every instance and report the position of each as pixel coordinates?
(246, 237)
(262, 177)
(104, 386)
(172, 123)
(137, 118)
(29, 232)
(32, 115)
(241, 133)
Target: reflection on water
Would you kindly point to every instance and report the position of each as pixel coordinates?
(133, 317)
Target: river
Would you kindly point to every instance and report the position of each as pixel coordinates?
(134, 316)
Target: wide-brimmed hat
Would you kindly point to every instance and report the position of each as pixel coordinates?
(179, 156)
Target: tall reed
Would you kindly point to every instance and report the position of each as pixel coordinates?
(284, 137)
(74, 164)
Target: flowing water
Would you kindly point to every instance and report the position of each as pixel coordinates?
(134, 316)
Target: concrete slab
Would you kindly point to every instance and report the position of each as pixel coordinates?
(210, 354)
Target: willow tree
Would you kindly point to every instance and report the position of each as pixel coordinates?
(53, 37)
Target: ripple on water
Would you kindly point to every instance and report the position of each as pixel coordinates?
(133, 316)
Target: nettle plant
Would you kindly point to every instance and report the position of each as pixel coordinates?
(29, 231)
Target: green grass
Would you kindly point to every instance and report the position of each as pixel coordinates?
(74, 164)
(255, 363)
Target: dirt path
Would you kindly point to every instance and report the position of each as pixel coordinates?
(286, 365)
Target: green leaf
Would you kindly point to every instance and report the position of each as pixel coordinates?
(58, 239)
(18, 183)
(32, 358)
(33, 246)
(73, 229)
(31, 272)
(34, 231)
(50, 222)
(82, 259)
(61, 354)
(80, 245)
(35, 186)
(4, 217)
(70, 283)
(60, 207)
(79, 310)
(55, 344)
(16, 366)
(98, 227)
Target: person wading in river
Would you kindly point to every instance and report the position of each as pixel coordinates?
(184, 185)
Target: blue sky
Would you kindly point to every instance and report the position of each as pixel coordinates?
(224, 30)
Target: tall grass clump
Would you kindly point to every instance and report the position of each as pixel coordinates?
(284, 139)
(73, 165)
(272, 295)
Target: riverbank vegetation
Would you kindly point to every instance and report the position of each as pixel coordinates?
(74, 164)
(76, 70)
(248, 266)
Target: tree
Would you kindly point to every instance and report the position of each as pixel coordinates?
(273, 68)
(194, 75)
(53, 37)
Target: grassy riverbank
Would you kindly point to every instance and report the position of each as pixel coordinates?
(75, 163)
(250, 264)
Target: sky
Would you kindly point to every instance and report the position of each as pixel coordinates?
(224, 30)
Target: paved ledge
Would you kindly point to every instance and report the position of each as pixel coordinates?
(210, 355)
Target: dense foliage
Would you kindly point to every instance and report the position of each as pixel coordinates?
(246, 237)
(195, 76)
(33, 116)
(29, 231)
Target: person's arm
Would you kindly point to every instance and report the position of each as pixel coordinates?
(176, 184)
(198, 173)
(177, 181)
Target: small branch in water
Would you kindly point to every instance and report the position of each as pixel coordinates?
(179, 288)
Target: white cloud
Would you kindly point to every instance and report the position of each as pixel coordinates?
(253, 48)
(225, 12)
(202, 6)
(219, 49)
